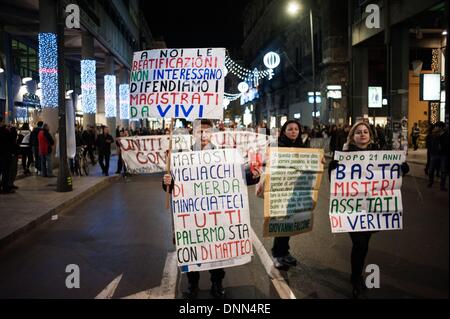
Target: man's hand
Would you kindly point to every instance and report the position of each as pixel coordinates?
(167, 179)
(256, 172)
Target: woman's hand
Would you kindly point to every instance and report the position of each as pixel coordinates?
(167, 179)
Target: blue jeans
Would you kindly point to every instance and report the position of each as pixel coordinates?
(46, 165)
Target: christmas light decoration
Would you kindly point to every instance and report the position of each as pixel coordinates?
(48, 69)
(271, 60)
(124, 99)
(110, 96)
(88, 87)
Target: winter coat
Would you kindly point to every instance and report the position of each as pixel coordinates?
(45, 142)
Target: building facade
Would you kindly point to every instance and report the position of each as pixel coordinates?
(107, 35)
(269, 27)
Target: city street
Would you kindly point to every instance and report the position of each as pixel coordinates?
(121, 240)
(231, 112)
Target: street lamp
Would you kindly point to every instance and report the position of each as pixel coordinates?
(292, 9)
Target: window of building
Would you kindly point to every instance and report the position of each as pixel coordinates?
(25, 62)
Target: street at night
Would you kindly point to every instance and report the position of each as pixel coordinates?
(257, 156)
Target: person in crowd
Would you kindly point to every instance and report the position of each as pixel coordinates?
(6, 154)
(104, 141)
(333, 139)
(415, 133)
(305, 136)
(15, 157)
(360, 138)
(25, 148)
(342, 134)
(46, 144)
(34, 141)
(121, 168)
(438, 149)
(88, 137)
(202, 136)
(381, 137)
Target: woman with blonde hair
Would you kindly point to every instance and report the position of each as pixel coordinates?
(360, 138)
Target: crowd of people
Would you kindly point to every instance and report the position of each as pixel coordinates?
(36, 146)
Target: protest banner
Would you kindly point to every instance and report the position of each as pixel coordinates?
(365, 191)
(292, 181)
(252, 146)
(148, 154)
(217, 264)
(177, 83)
(210, 207)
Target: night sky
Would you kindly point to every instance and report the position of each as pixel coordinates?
(196, 23)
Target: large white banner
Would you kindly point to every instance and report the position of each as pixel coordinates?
(210, 207)
(365, 191)
(177, 83)
(148, 154)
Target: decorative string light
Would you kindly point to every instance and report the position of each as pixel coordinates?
(246, 74)
(271, 61)
(88, 87)
(124, 99)
(48, 69)
(110, 96)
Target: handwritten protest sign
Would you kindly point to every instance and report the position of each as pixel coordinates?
(217, 264)
(147, 154)
(365, 191)
(177, 83)
(251, 145)
(292, 181)
(210, 207)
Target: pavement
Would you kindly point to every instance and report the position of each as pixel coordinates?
(37, 201)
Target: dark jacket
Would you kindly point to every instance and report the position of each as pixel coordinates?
(283, 141)
(438, 142)
(89, 138)
(45, 142)
(6, 142)
(104, 143)
(34, 136)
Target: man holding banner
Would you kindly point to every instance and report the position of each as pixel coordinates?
(365, 194)
(186, 247)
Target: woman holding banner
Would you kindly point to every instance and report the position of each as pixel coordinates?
(290, 136)
(360, 138)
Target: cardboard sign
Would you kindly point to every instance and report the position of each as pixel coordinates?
(177, 83)
(365, 191)
(148, 154)
(293, 177)
(210, 207)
